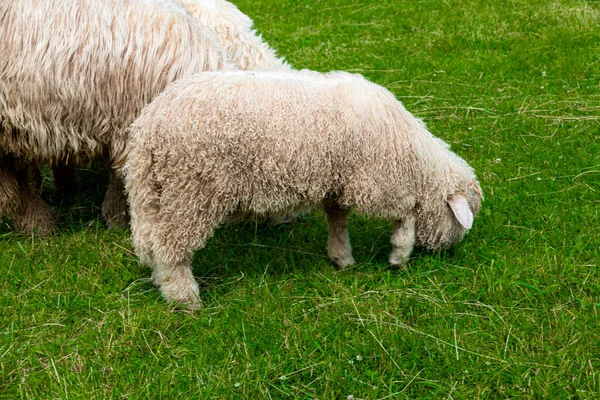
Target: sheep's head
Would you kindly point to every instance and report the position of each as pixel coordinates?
(446, 223)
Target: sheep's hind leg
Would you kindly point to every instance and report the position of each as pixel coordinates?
(339, 248)
(182, 228)
(10, 193)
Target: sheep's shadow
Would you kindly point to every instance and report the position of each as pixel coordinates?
(77, 209)
(255, 248)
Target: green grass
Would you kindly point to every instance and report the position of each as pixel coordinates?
(512, 311)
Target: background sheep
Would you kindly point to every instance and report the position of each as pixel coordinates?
(219, 144)
(74, 75)
(243, 46)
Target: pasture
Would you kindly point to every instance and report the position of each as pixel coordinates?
(512, 311)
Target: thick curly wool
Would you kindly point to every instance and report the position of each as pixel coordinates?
(234, 30)
(75, 74)
(215, 145)
(71, 90)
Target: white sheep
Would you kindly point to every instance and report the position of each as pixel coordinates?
(216, 145)
(75, 74)
(243, 46)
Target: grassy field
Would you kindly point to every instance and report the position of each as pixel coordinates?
(512, 311)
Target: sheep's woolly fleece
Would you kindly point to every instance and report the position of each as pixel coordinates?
(219, 144)
(71, 90)
(234, 29)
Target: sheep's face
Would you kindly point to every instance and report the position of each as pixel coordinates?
(449, 223)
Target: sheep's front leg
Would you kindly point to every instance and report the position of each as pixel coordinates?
(340, 250)
(166, 237)
(403, 241)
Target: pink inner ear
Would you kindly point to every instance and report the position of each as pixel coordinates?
(462, 211)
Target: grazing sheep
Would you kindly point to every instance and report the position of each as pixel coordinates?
(75, 74)
(217, 145)
(229, 26)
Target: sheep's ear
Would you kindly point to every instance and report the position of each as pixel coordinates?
(462, 211)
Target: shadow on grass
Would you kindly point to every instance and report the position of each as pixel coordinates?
(253, 249)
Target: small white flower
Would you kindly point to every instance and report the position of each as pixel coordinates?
(469, 128)
(359, 358)
(497, 160)
(539, 179)
(350, 361)
(434, 74)
(559, 156)
(237, 384)
(543, 73)
(350, 397)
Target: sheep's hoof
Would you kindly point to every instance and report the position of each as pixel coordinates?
(119, 221)
(190, 301)
(36, 218)
(400, 267)
(399, 258)
(154, 282)
(193, 306)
